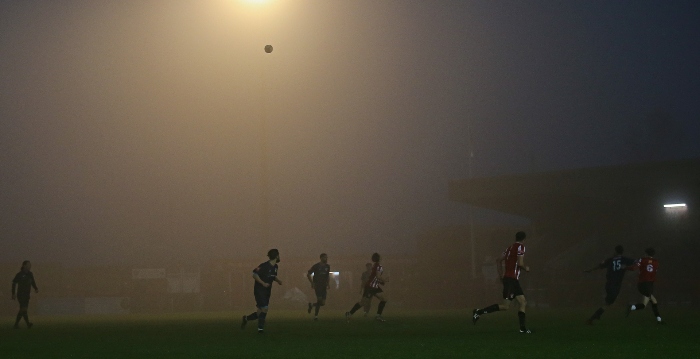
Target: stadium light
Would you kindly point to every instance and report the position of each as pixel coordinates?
(675, 209)
(256, 2)
(675, 205)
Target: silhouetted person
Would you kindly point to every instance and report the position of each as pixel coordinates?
(372, 289)
(320, 282)
(615, 267)
(264, 275)
(509, 266)
(647, 267)
(23, 283)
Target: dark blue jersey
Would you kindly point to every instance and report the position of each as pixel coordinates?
(267, 273)
(616, 268)
(24, 280)
(321, 273)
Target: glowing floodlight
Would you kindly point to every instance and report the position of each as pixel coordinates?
(675, 205)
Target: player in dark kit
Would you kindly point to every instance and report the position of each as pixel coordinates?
(319, 282)
(509, 266)
(21, 288)
(647, 266)
(615, 267)
(372, 289)
(264, 275)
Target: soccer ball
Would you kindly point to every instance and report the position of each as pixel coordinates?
(268, 48)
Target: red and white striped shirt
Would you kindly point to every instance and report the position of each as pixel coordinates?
(373, 281)
(510, 257)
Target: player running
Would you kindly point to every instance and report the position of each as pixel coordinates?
(22, 286)
(512, 260)
(372, 289)
(647, 266)
(264, 275)
(319, 282)
(616, 266)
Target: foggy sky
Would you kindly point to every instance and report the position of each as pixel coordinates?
(130, 130)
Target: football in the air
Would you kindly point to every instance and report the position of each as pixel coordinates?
(268, 48)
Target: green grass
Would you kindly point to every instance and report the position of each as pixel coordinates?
(558, 334)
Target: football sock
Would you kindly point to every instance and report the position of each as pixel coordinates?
(355, 308)
(26, 317)
(19, 317)
(261, 320)
(252, 316)
(489, 309)
(638, 306)
(318, 307)
(598, 313)
(380, 309)
(655, 308)
(521, 318)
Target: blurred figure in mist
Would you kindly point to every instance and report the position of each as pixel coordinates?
(264, 275)
(372, 289)
(21, 288)
(647, 267)
(319, 277)
(615, 267)
(509, 266)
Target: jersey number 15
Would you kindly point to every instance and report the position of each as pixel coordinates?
(617, 265)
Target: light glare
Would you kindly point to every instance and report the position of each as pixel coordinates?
(674, 205)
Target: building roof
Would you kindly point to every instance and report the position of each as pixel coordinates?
(614, 195)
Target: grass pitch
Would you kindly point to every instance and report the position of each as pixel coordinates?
(557, 334)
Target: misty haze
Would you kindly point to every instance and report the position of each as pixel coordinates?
(153, 152)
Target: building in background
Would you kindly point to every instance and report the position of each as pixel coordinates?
(578, 216)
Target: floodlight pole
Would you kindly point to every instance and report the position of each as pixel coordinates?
(470, 214)
(264, 164)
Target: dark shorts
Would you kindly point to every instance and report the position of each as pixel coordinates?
(262, 299)
(371, 292)
(321, 291)
(511, 288)
(23, 301)
(646, 288)
(612, 289)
